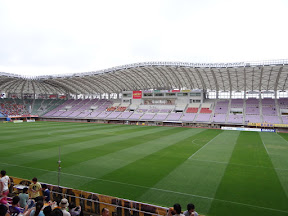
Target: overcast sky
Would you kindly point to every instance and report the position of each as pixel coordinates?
(57, 36)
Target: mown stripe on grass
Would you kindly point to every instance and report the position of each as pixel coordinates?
(149, 170)
(277, 148)
(199, 178)
(90, 154)
(6, 132)
(253, 186)
(30, 139)
(118, 159)
(74, 145)
(46, 142)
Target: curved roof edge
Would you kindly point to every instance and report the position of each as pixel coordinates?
(155, 63)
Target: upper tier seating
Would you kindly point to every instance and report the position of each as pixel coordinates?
(237, 103)
(222, 107)
(205, 110)
(192, 110)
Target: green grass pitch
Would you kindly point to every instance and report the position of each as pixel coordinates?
(222, 172)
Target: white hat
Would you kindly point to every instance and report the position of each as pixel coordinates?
(64, 203)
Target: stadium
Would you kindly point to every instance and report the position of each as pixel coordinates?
(155, 134)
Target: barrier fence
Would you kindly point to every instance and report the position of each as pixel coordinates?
(92, 203)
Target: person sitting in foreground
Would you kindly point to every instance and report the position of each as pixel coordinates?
(63, 205)
(74, 211)
(24, 198)
(190, 210)
(4, 210)
(14, 208)
(38, 209)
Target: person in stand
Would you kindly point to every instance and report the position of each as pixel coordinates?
(4, 210)
(175, 210)
(105, 212)
(4, 189)
(24, 198)
(34, 188)
(46, 193)
(190, 210)
(63, 205)
(38, 210)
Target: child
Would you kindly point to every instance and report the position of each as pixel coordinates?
(23, 198)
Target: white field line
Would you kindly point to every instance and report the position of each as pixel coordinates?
(221, 162)
(264, 146)
(156, 189)
(202, 146)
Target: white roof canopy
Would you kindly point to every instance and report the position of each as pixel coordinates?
(241, 76)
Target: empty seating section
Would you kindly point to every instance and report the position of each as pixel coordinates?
(222, 107)
(125, 115)
(252, 118)
(271, 119)
(148, 116)
(268, 107)
(188, 117)
(160, 116)
(203, 117)
(205, 108)
(135, 116)
(237, 119)
(113, 115)
(173, 117)
(237, 103)
(285, 119)
(267, 110)
(192, 110)
(219, 118)
(121, 109)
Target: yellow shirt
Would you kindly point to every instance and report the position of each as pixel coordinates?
(34, 190)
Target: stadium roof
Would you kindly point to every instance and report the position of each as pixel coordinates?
(239, 76)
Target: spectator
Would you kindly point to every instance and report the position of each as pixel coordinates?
(47, 210)
(34, 188)
(14, 208)
(56, 212)
(38, 210)
(4, 190)
(24, 198)
(73, 210)
(190, 210)
(176, 210)
(4, 210)
(63, 205)
(105, 212)
(46, 193)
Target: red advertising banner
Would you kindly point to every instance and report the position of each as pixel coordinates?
(175, 90)
(137, 94)
(62, 96)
